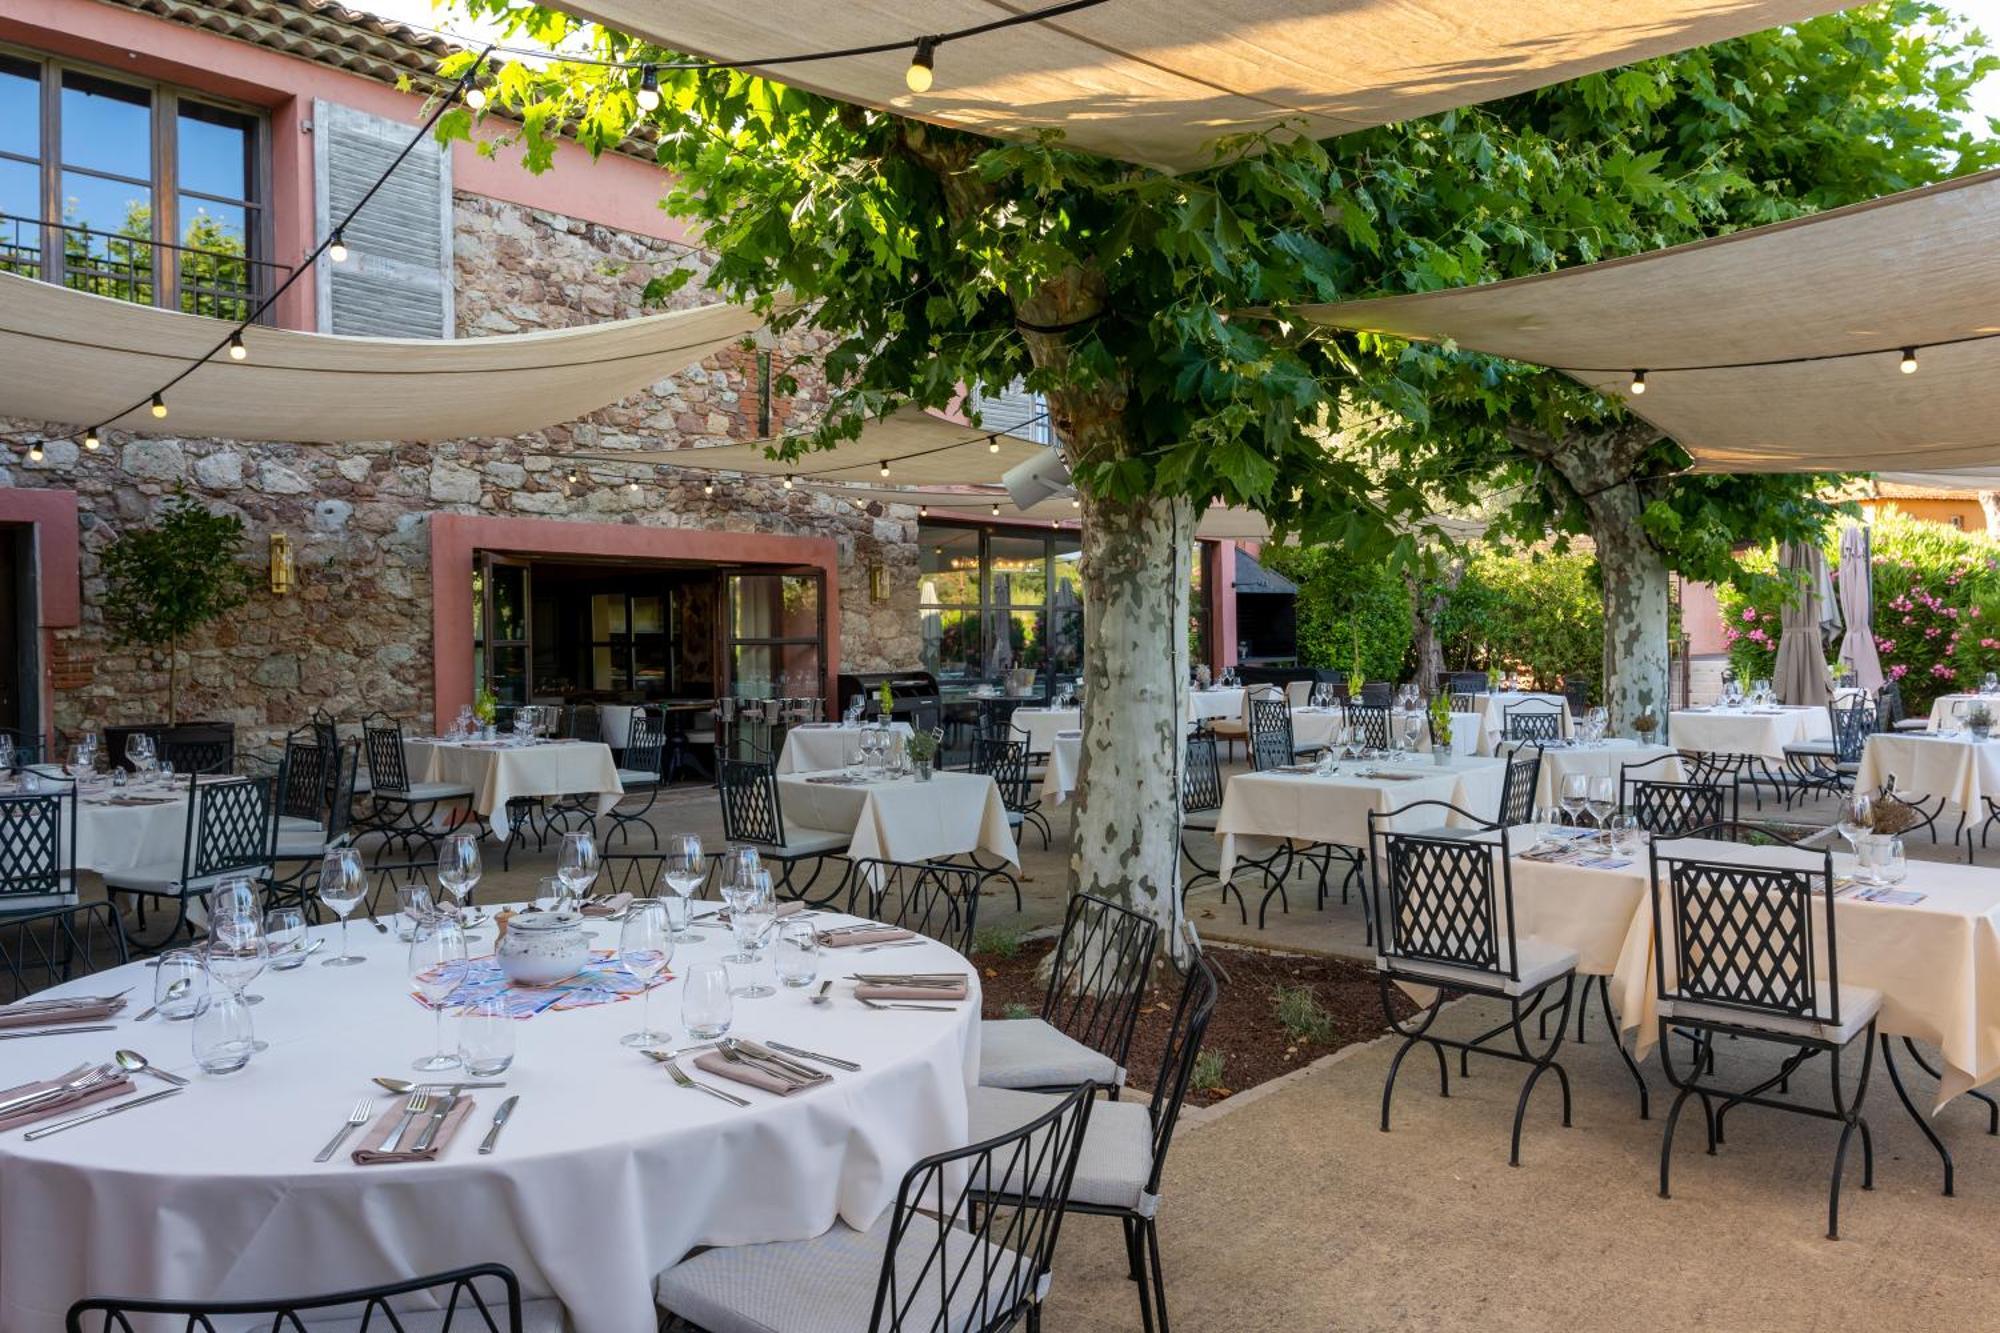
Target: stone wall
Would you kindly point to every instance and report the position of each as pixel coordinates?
(355, 635)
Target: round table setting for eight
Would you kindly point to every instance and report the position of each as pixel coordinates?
(347, 1115)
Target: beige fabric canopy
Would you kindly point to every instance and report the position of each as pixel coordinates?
(1151, 81)
(1218, 523)
(74, 358)
(1855, 283)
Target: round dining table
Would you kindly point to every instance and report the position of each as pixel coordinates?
(607, 1172)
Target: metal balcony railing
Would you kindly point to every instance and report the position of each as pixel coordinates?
(139, 269)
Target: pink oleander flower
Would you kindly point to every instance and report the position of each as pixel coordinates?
(1749, 613)
(1932, 632)
(1885, 645)
(1898, 671)
(1943, 672)
(1759, 636)
(1989, 643)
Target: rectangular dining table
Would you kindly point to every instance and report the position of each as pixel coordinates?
(1760, 732)
(1929, 764)
(1491, 711)
(905, 818)
(503, 771)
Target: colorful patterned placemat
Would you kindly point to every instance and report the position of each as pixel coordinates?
(602, 981)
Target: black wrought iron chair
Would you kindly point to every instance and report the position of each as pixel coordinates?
(582, 722)
(1368, 724)
(1201, 803)
(937, 1261)
(639, 774)
(1672, 807)
(313, 819)
(231, 833)
(1534, 720)
(1377, 694)
(1830, 765)
(1748, 948)
(402, 810)
(198, 749)
(941, 901)
(1524, 777)
(38, 850)
(1889, 708)
(1271, 735)
(1089, 1011)
(1463, 682)
(481, 1299)
(51, 945)
(1125, 1145)
(1444, 919)
(752, 814)
(1005, 760)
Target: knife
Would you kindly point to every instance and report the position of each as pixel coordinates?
(831, 1060)
(60, 1032)
(72, 1123)
(436, 1121)
(499, 1122)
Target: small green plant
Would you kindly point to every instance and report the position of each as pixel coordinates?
(1017, 1010)
(923, 746)
(485, 706)
(1302, 1016)
(887, 699)
(1207, 1075)
(1441, 722)
(1000, 941)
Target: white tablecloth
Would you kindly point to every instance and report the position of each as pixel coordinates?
(1604, 761)
(1308, 808)
(1491, 709)
(902, 819)
(498, 772)
(1927, 764)
(1065, 761)
(1038, 726)
(606, 1174)
(111, 837)
(1211, 704)
(1764, 733)
(814, 748)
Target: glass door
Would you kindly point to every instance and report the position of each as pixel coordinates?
(773, 634)
(501, 633)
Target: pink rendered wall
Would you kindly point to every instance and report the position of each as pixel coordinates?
(1701, 620)
(614, 191)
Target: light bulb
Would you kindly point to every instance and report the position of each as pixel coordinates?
(632, 486)
(1075, 502)
(572, 476)
(708, 488)
(336, 249)
(91, 442)
(1638, 382)
(996, 511)
(35, 453)
(918, 76)
(923, 511)
(649, 89)
(788, 481)
(1909, 360)
(884, 471)
(159, 406)
(475, 97)
(993, 444)
(237, 351)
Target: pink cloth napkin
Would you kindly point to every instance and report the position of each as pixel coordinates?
(369, 1152)
(30, 1015)
(880, 991)
(117, 1087)
(611, 906)
(847, 939)
(722, 1067)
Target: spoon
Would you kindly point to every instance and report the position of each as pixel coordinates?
(402, 1086)
(134, 1063)
(821, 996)
(174, 992)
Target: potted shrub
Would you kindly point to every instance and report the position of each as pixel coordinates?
(164, 582)
(923, 749)
(1645, 724)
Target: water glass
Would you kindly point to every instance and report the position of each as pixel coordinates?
(285, 936)
(1890, 865)
(414, 909)
(224, 1037)
(459, 868)
(1626, 837)
(486, 1037)
(342, 885)
(645, 947)
(678, 915)
(178, 965)
(436, 969)
(549, 893)
(706, 1006)
(797, 958)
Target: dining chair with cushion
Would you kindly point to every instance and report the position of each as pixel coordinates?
(1096, 984)
(53, 945)
(935, 1262)
(639, 774)
(1444, 921)
(582, 722)
(1005, 760)
(1271, 735)
(1125, 1145)
(1830, 765)
(1534, 720)
(1672, 807)
(933, 899)
(1745, 945)
(1465, 682)
(231, 833)
(402, 810)
(38, 849)
(1889, 708)
(1234, 730)
(752, 814)
(485, 1298)
(301, 841)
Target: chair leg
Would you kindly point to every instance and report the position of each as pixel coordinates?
(1410, 1039)
(1546, 1062)
(1152, 1230)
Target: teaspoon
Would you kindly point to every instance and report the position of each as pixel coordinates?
(134, 1063)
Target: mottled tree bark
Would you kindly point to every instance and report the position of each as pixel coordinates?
(1989, 505)
(1426, 606)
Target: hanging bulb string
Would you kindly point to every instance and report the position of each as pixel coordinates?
(234, 338)
(851, 464)
(1906, 353)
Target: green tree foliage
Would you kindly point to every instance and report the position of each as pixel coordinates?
(1540, 610)
(1343, 604)
(169, 578)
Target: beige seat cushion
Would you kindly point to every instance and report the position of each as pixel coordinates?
(1117, 1156)
(1540, 963)
(1029, 1053)
(1858, 1004)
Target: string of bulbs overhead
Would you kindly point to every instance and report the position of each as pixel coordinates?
(1906, 361)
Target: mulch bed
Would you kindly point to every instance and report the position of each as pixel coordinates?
(1255, 1046)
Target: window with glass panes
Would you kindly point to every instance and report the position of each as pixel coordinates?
(993, 600)
(130, 189)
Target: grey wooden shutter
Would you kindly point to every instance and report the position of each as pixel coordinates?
(396, 281)
(1016, 412)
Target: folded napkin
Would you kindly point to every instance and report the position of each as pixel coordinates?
(369, 1152)
(834, 780)
(848, 938)
(611, 906)
(1068, 733)
(782, 911)
(105, 1091)
(33, 1014)
(722, 1067)
(879, 990)
(1389, 775)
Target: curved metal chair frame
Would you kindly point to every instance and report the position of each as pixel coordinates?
(497, 1311)
(753, 813)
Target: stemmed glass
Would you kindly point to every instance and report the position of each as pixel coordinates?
(742, 894)
(437, 968)
(236, 956)
(576, 864)
(1413, 731)
(1574, 795)
(459, 869)
(342, 885)
(645, 947)
(1857, 817)
(233, 897)
(681, 866)
(753, 925)
(1602, 798)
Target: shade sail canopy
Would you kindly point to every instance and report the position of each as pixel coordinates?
(1854, 284)
(1151, 81)
(74, 358)
(1967, 479)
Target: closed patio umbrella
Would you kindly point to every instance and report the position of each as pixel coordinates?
(1857, 601)
(1801, 672)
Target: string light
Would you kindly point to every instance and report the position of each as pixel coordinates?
(336, 247)
(91, 441)
(919, 74)
(35, 452)
(572, 474)
(788, 481)
(993, 444)
(649, 88)
(1075, 502)
(632, 486)
(237, 351)
(159, 406)
(1909, 361)
(1638, 382)
(884, 470)
(996, 511)
(923, 511)
(475, 96)
(708, 488)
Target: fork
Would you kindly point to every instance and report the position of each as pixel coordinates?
(898, 1004)
(419, 1103)
(355, 1119)
(680, 1076)
(900, 944)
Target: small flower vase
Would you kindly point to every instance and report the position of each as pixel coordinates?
(1980, 733)
(923, 769)
(1441, 755)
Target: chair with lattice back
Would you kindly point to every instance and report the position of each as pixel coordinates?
(1270, 734)
(401, 809)
(940, 901)
(38, 849)
(198, 749)
(1368, 724)
(1445, 921)
(639, 774)
(1745, 945)
(1535, 721)
(1830, 765)
(753, 814)
(51, 945)
(1669, 796)
(1005, 760)
(1201, 804)
(1517, 794)
(485, 1298)
(231, 833)
(305, 833)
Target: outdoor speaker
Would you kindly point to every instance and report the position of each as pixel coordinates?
(1043, 477)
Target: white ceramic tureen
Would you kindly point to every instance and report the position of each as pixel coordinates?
(543, 948)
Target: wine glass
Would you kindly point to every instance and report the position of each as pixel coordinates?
(549, 893)
(752, 925)
(236, 955)
(681, 866)
(742, 896)
(459, 869)
(645, 947)
(342, 884)
(1602, 798)
(576, 864)
(183, 968)
(1574, 795)
(1413, 730)
(1857, 816)
(437, 968)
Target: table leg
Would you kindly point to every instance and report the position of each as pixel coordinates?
(1923, 1121)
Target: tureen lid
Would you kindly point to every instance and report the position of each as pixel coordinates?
(545, 920)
